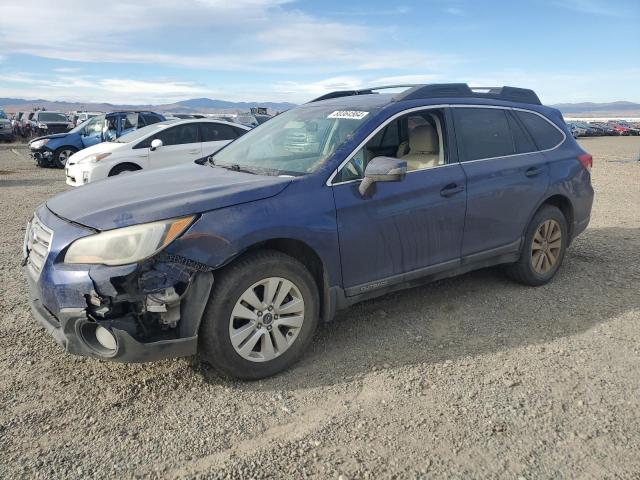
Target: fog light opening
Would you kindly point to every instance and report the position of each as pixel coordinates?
(99, 339)
(106, 338)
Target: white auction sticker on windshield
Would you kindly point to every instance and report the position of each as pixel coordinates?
(352, 114)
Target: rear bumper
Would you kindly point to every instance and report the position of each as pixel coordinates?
(68, 325)
(580, 226)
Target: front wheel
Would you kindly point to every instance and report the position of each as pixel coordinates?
(261, 316)
(544, 248)
(61, 156)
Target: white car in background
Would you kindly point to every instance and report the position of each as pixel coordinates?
(160, 145)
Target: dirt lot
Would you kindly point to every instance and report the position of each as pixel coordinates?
(470, 377)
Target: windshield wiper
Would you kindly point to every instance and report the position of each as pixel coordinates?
(234, 166)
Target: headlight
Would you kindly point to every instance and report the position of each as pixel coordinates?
(96, 157)
(39, 143)
(126, 245)
(42, 125)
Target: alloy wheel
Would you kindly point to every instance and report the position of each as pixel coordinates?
(546, 246)
(266, 319)
(63, 156)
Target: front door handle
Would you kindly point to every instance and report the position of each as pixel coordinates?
(451, 190)
(533, 172)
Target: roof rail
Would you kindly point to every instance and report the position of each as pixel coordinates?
(365, 91)
(445, 90)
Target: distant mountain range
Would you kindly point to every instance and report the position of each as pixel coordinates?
(195, 105)
(589, 109)
(208, 105)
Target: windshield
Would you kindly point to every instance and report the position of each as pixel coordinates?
(52, 117)
(296, 142)
(144, 131)
(2, 114)
(79, 127)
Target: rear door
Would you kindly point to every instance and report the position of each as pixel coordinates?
(180, 144)
(506, 178)
(128, 123)
(215, 136)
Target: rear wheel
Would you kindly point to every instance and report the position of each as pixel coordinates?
(261, 316)
(544, 248)
(61, 155)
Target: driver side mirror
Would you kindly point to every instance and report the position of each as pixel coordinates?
(155, 144)
(382, 169)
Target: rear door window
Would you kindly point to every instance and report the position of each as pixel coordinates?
(544, 134)
(483, 133)
(216, 132)
(150, 118)
(130, 120)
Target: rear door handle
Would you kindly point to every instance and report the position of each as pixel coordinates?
(194, 151)
(533, 172)
(451, 190)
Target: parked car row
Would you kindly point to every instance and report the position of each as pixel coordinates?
(40, 122)
(55, 150)
(598, 129)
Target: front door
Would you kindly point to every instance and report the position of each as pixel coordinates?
(180, 144)
(408, 228)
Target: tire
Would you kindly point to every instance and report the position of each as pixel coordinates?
(61, 155)
(230, 287)
(124, 168)
(532, 269)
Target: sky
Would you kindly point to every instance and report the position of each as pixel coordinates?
(162, 51)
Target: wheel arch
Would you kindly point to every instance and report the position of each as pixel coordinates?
(564, 204)
(66, 147)
(306, 255)
(119, 166)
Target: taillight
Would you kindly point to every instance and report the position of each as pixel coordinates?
(586, 160)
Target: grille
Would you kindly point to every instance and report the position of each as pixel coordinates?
(37, 243)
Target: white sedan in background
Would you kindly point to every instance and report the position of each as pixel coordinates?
(160, 145)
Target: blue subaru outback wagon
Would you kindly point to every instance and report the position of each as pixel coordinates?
(240, 255)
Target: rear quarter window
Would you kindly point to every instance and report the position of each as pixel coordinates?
(544, 134)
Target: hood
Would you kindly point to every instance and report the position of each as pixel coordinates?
(53, 135)
(163, 193)
(104, 147)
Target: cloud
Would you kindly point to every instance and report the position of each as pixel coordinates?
(209, 34)
(596, 7)
(96, 89)
(458, 12)
(557, 87)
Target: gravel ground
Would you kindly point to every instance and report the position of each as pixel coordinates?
(469, 377)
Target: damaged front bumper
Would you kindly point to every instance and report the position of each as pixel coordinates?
(146, 311)
(43, 156)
